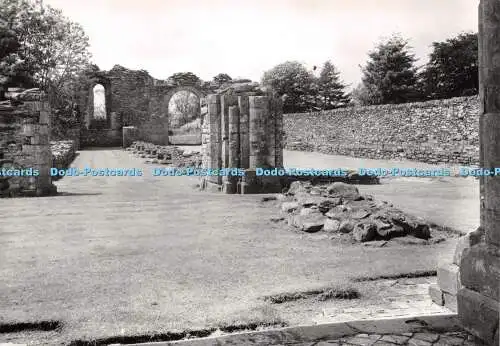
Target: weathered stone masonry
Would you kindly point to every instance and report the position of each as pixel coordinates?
(242, 131)
(133, 99)
(440, 131)
(24, 144)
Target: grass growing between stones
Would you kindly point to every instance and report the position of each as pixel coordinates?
(415, 274)
(256, 318)
(318, 294)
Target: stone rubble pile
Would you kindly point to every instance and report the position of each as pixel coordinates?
(340, 208)
(165, 154)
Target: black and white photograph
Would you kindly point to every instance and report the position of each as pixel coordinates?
(249, 172)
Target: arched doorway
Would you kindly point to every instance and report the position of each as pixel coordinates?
(99, 114)
(182, 107)
(98, 105)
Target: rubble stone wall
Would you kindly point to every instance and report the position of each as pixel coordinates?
(137, 99)
(439, 131)
(25, 147)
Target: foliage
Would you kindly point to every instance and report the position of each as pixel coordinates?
(11, 66)
(330, 88)
(184, 78)
(184, 107)
(360, 95)
(452, 69)
(390, 75)
(42, 48)
(295, 84)
(53, 48)
(221, 78)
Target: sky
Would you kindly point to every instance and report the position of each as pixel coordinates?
(244, 38)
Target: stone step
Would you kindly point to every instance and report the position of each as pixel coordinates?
(449, 278)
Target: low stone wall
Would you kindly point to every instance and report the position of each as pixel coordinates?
(100, 138)
(439, 131)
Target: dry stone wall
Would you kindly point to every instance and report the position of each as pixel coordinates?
(440, 131)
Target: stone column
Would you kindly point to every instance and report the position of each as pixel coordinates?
(214, 128)
(270, 134)
(244, 128)
(226, 101)
(259, 111)
(205, 135)
(279, 146)
(479, 298)
(230, 182)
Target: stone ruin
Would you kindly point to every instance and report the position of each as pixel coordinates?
(242, 128)
(136, 107)
(24, 144)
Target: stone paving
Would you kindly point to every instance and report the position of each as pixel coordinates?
(411, 339)
(394, 298)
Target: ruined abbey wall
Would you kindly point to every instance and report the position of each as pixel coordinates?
(133, 98)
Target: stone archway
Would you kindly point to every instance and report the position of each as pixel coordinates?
(89, 111)
(165, 111)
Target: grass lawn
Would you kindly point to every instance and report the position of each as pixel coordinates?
(144, 255)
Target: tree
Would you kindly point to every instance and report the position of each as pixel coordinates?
(52, 47)
(360, 96)
(184, 78)
(185, 108)
(10, 63)
(390, 75)
(452, 69)
(221, 79)
(330, 88)
(293, 81)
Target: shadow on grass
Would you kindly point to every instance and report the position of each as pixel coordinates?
(415, 274)
(16, 327)
(188, 334)
(61, 194)
(319, 294)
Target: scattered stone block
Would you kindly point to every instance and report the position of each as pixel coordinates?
(289, 207)
(346, 226)
(364, 232)
(331, 225)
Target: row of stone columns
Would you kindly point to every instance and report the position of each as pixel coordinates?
(241, 132)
